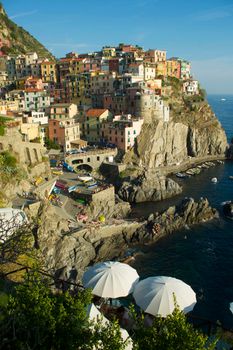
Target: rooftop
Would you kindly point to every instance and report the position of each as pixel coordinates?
(95, 112)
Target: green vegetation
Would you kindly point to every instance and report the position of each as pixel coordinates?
(170, 333)
(51, 144)
(3, 122)
(7, 160)
(21, 41)
(34, 317)
(9, 169)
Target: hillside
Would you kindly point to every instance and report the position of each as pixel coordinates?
(16, 40)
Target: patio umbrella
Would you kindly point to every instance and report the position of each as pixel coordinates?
(95, 315)
(155, 295)
(124, 336)
(110, 279)
(231, 307)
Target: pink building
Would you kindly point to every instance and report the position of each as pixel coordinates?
(122, 131)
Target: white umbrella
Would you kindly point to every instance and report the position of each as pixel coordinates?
(124, 336)
(231, 307)
(95, 315)
(110, 279)
(155, 295)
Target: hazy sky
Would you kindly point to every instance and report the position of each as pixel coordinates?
(198, 30)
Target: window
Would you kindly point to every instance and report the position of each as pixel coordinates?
(54, 123)
(128, 132)
(55, 131)
(134, 132)
(89, 159)
(98, 158)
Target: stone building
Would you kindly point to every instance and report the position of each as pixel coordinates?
(27, 153)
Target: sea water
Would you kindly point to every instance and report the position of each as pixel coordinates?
(202, 255)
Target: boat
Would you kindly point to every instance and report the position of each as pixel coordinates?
(214, 180)
(223, 99)
(231, 177)
(181, 175)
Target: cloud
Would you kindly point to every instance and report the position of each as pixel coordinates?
(23, 14)
(213, 14)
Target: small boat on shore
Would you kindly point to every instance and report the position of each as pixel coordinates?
(181, 175)
(214, 180)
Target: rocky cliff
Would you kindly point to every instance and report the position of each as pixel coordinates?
(148, 187)
(17, 40)
(69, 253)
(193, 131)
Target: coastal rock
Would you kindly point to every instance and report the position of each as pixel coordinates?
(150, 187)
(228, 209)
(69, 253)
(188, 134)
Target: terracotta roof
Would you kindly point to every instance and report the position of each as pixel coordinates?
(95, 112)
(48, 62)
(33, 90)
(79, 142)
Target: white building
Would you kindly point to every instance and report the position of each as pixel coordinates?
(39, 118)
(190, 87)
(36, 100)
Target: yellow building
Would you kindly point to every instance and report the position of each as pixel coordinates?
(8, 106)
(161, 69)
(173, 68)
(49, 71)
(109, 52)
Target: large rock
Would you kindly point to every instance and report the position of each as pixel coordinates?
(69, 253)
(228, 210)
(187, 134)
(149, 187)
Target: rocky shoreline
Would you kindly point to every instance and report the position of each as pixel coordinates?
(68, 253)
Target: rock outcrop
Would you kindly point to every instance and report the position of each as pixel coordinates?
(149, 187)
(228, 209)
(67, 252)
(188, 134)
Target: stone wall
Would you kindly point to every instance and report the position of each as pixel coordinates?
(28, 153)
(92, 159)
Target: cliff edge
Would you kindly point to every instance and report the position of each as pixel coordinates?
(193, 131)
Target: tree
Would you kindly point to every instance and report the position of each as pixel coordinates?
(37, 318)
(51, 144)
(170, 333)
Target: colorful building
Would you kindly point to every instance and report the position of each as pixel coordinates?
(64, 132)
(61, 111)
(173, 68)
(155, 56)
(49, 71)
(36, 100)
(122, 131)
(91, 123)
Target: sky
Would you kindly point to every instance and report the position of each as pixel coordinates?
(198, 30)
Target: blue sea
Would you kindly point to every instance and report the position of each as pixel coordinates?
(203, 255)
